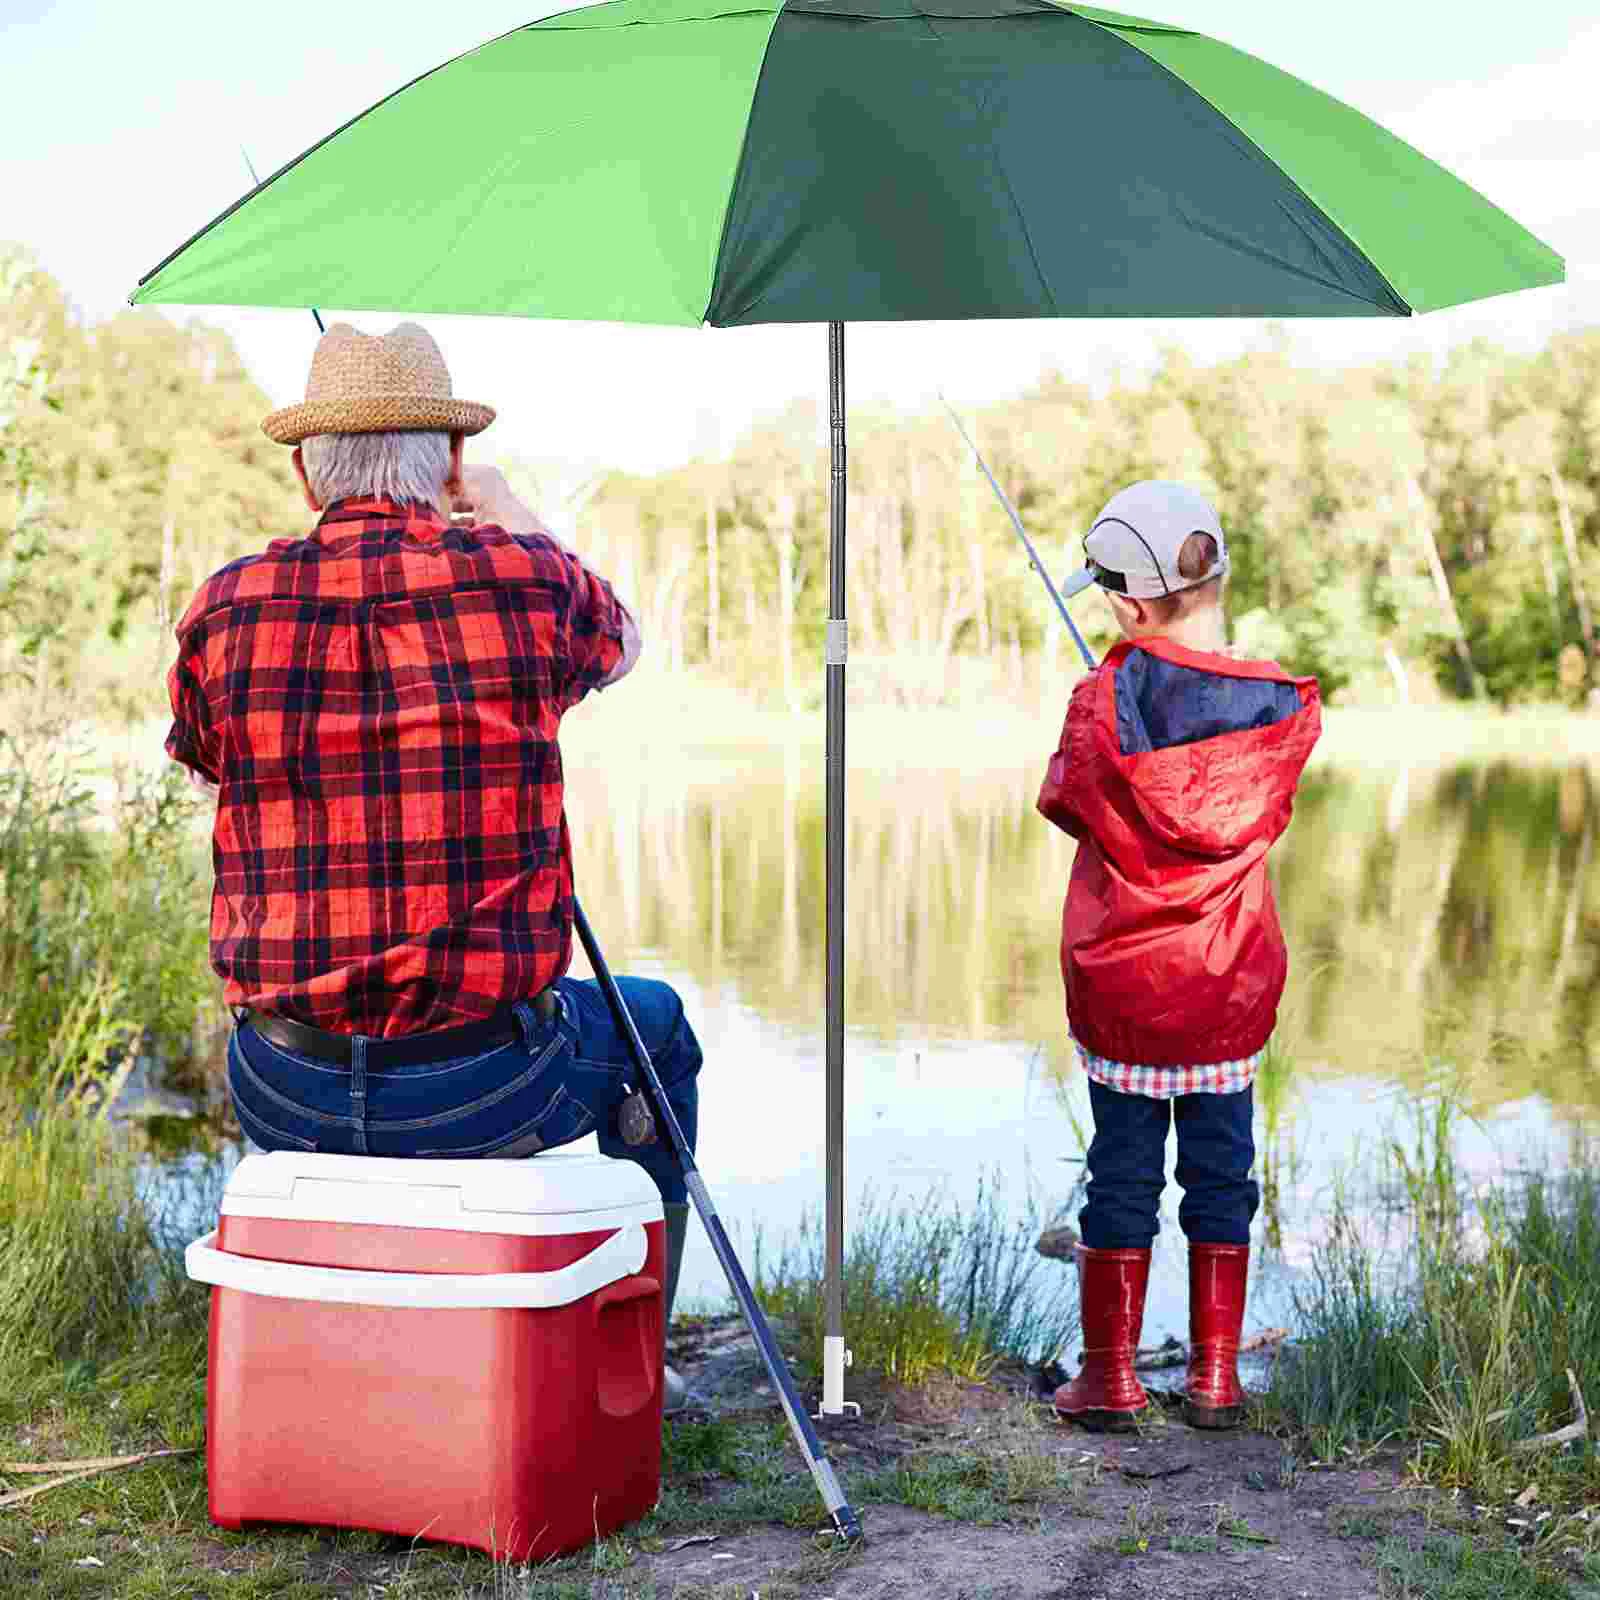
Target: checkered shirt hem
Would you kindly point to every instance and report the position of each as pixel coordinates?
(1167, 1083)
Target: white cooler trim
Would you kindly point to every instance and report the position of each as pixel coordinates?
(622, 1255)
(543, 1194)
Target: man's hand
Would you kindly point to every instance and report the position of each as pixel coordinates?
(487, 497)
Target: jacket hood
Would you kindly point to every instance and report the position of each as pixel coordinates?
(1207, 750)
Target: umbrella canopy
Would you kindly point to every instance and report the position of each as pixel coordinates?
(680, 161)
(754, 161)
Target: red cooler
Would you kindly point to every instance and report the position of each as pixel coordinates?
(461, 1350)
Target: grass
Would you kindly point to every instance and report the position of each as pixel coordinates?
(1449, 1567)
(148, 1530)
(102, 929)
(121, 1368)
(1458, 1343)
(993, 1482)
(98, 1320)
(89, 1277)
(1360, 1523)
(936, 1288)
(979, 1487)
(102, 1339)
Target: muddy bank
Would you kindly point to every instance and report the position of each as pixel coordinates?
(997, 1497)
(967, 1491)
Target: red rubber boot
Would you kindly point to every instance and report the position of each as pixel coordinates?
(1107, 1396)
(1217, 1274)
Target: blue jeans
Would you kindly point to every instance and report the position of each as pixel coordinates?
(560, 1080)
(1127, 1168)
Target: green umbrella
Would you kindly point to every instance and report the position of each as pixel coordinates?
(685, 161)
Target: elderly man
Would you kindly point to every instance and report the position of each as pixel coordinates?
(376, 708)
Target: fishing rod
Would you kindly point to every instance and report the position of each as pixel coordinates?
(1022, 534)
(845, 1521)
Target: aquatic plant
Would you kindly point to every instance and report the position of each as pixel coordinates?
(1460, 1338)
(93, 1294)
(930, 1287)
(102, 932)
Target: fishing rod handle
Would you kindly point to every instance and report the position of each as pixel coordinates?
(630, 1032)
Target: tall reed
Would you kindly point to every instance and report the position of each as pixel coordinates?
(102, 931)
(80, 1261)
(1460, 1339)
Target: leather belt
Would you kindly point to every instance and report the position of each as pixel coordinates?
(408, 1050)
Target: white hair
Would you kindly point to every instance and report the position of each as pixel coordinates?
(391, 466)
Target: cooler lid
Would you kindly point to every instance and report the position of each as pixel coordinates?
(543, 1194)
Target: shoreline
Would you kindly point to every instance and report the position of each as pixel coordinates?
(970, 1468)
(701, 725)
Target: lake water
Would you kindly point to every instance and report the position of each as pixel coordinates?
(1443, 924)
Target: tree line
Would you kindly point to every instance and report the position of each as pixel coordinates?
(1404, 531)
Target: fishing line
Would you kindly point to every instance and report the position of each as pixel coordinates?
(1022, 534)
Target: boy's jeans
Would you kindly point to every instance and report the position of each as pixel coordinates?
(561, 1080)
(1127, 1168)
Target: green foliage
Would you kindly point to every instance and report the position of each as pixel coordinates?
(87, 1272)
(26, 617)
(1446, 1567)
(102, 940)
(1463, 1342)
(1520, 640)
(933, 1288)
(102, 933)
(1330, 635)
(1391, 526)
(1394, 529)
(131, 465)
(693, 1449)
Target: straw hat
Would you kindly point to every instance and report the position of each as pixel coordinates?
(371, 383)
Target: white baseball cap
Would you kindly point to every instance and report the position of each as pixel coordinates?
(1134, 543)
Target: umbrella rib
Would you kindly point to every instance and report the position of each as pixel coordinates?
(739, 169)
(1322, 255)
(1245, 247)
(554, 23)
(1286, 177)
(1016, 206)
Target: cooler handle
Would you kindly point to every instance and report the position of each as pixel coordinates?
(627, 1345)
(618, 1257)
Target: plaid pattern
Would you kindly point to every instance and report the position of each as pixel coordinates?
(379, 703)
(1167, 1083)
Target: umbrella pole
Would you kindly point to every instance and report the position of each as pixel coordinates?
(835, 1358)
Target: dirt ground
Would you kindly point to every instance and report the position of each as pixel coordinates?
(1166, 1512)
(964, 1490)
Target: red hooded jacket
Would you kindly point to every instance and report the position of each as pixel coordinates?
(1176, 771)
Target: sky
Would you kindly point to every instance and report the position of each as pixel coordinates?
(121, 130)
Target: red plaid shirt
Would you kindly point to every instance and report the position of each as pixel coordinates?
(379, 703)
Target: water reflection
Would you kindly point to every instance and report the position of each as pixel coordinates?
(1444, 934)
(1439, 924)
(722, 874)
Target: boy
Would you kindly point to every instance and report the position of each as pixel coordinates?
(1176, 771)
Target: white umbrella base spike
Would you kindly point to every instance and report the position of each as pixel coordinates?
(835, 1358)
